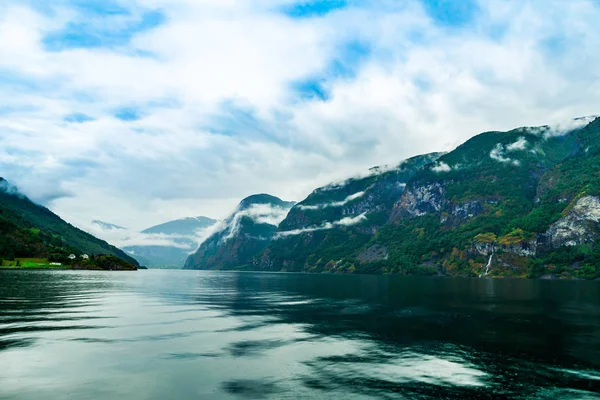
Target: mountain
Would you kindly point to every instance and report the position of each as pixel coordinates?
(184, 226)
(179, 239)
(241, 236)
(29, 230)
(522, 203)
(519, 203)
(107, 225)
(334, 221)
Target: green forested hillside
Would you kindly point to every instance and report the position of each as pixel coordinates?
(355, 209)
(518, 205)
(30, 230)
(523, 203)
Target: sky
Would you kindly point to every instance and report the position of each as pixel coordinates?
(137, 112)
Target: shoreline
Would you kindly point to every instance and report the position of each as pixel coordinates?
(62, 269)
(541, 278)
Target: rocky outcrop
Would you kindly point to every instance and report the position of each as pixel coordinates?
(523, 249)
(373, 253)
(420, 200)
(579, 226)
(335, 221)
(527, 248)
(374, 193)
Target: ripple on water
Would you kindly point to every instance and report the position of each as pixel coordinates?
(179, 334)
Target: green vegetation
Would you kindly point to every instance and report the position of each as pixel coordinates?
(32, 236)
(29, 263)
(499, 193)
(520, 202)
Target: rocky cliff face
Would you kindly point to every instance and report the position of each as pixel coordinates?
(579, 226)
(421, 200)
(335, 220)
(371, 194)
(525, 192)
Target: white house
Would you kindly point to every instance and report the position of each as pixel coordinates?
(85, 256)
(72, 256)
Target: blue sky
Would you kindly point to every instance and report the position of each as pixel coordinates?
(140, 111)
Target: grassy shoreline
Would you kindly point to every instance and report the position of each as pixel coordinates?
(94, 263)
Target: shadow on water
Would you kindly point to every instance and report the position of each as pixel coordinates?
(421, 338)
(314, 336)
(252, 389)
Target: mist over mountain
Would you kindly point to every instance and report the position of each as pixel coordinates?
(166, 245)
(242, 235)
(183, 226)
(522, 203)
(176, 241)
(30, 230)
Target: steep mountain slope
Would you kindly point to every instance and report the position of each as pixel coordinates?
(334, 221)
(30, 230)
(183, 234)
(518, 203)
(242, 235)
(523, 203)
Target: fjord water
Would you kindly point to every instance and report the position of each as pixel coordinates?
(189, 334)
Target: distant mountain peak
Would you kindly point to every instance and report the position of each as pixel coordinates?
(183, 234)
(182, 226)
(264, 198)
(107, 225)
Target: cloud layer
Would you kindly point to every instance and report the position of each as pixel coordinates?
(346, 221)
(141, 111)
(342, 203)
(128, 237)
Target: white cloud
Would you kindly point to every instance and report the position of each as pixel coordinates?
(219, 120)
(342, 203)
(441, 167)
(347, 221)
(259, 213)
(520, 144)
(563, 127)
(128, 237)
(497, 154)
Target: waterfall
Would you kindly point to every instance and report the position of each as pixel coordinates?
(488, 266)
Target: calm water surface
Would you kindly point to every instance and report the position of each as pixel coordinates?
(209, 335)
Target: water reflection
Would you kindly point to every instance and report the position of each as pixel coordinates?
(176, 334)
